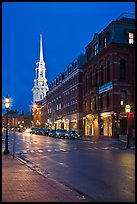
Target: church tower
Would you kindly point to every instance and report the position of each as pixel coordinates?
(40, 82)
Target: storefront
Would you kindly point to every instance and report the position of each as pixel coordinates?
(106, 120)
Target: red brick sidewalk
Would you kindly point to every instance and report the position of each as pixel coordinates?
(21, 184)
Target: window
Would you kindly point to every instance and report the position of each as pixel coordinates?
(95, 48)
(90, 104)
(87, 54)
(95, 106)
(104, 41)
(122, 69)
(60, 106)
(108, 71)
(41, 96)
(107, 99)
(90, 79)
(131, 38)
(102, 74)
(101, 101)
(37, 73)
(96, 77)
(41, 73)
(123, 96)
(85, 105)
(86, 83)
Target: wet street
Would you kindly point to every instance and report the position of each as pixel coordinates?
(96, 169)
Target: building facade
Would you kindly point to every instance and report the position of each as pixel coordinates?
(63, 107)
(109, 80)
(91, 94)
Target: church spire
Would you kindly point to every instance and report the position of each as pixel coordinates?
(41, 50)
(40, 82)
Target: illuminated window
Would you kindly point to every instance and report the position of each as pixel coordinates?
(131, 38)
(104, 42)
(95, 48)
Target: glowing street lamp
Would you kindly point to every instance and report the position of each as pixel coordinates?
(34, 109)
(127, 110)
(7, 104)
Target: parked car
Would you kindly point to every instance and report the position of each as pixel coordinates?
(39, 131)
(44, 131)
(61, 133)
(34, 130)
(52, 133)
(72, 134)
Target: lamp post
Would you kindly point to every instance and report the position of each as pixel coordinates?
(34, 109)
(127, 110)
(7, 105)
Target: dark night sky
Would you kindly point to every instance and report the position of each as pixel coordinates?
(67, 27)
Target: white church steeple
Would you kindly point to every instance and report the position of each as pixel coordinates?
(41, 50)
(40, 82)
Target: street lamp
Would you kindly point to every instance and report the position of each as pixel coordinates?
(34, 109)
(6, 105)
(127, 110)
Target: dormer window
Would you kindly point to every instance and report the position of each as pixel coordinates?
(131, 38)
(95, 48)
(104, 41)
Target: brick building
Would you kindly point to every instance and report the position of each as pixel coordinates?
(63, 105)
(109, 80)
(91, 94)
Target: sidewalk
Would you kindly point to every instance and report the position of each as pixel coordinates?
(104, 140)
(21, 184)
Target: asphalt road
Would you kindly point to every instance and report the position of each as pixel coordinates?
(97, 170)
